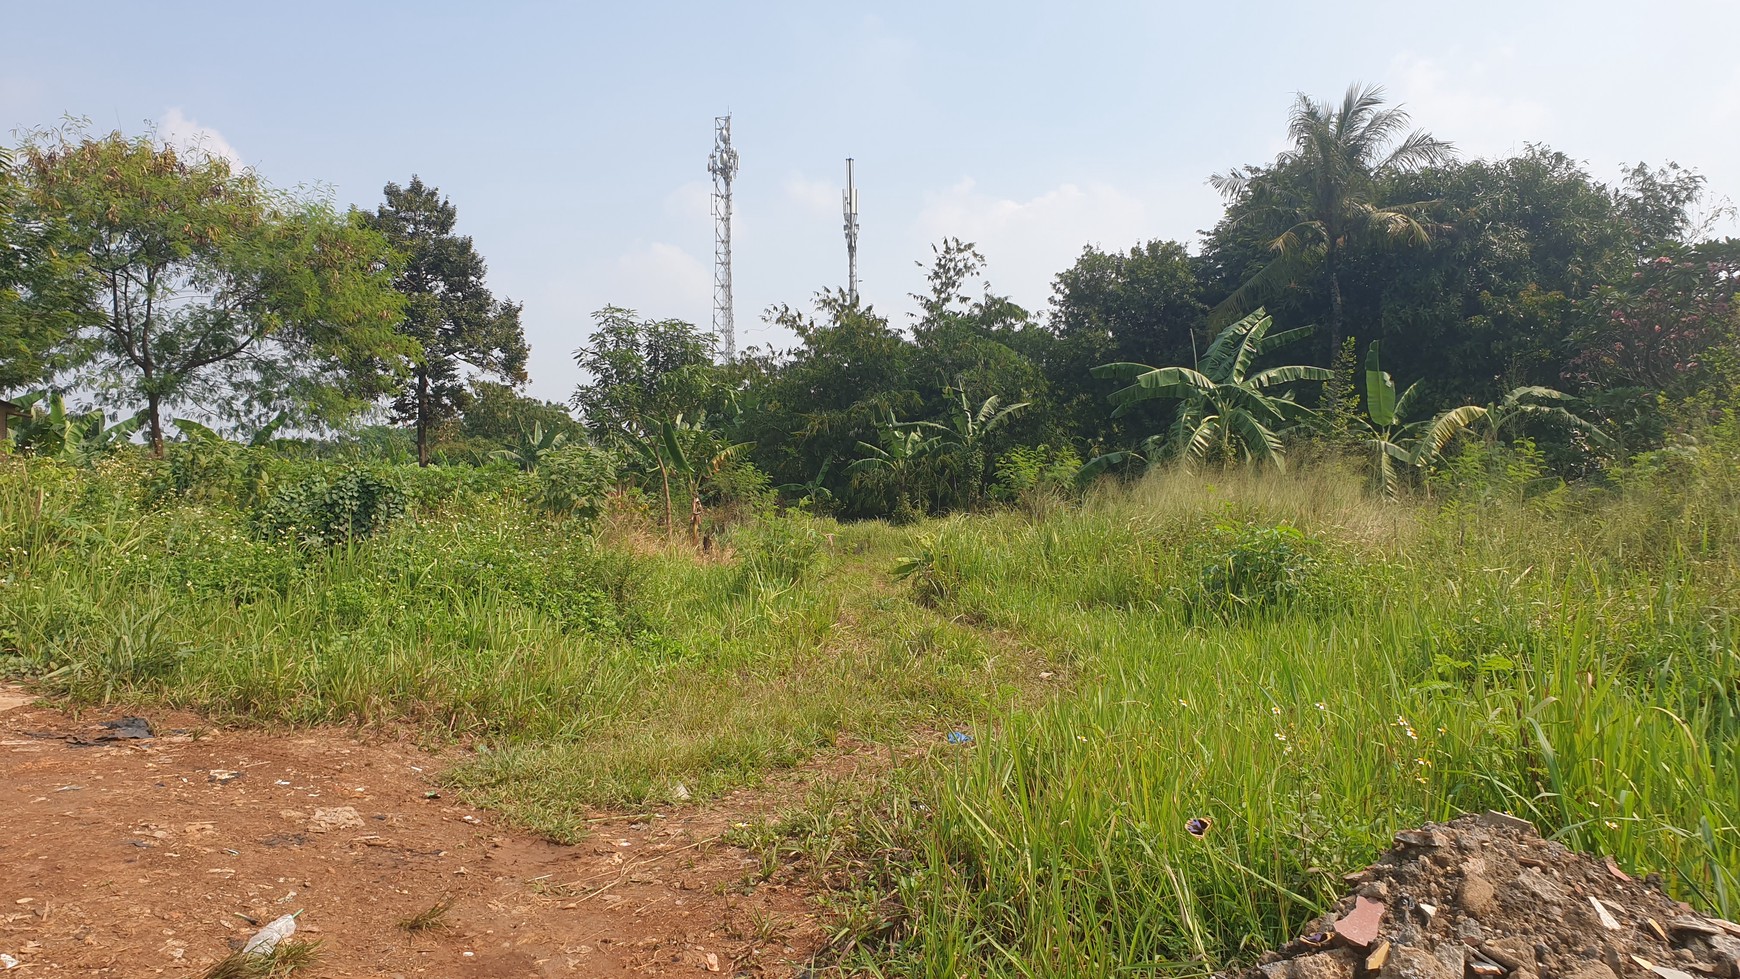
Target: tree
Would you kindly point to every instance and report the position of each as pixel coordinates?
(200, 285)
(1327, 190)
(963, 438)
(894, 468)
(462, 328)
(1226, 410)
(1143, 305)
(641, 373)
(39, 297)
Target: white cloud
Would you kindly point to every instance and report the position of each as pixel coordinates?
(1027, 242)
(184, 133)
(817, 197)
(1475, 106)
(691, 200)
(661, 280)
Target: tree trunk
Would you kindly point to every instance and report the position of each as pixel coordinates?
(153, 407)
(665, 478)
(1335, 318)
(422, 419)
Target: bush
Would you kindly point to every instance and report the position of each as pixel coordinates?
(779, 551)
(1025, 471)
(573, 480)
(330, 507)
(1247, 569)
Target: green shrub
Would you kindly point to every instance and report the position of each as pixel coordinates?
(331, 506)
(573, 480)
(1032, 469)
(780, 551)
(1246, 569)
(431, 487)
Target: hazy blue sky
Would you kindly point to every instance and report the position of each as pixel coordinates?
(574, 137)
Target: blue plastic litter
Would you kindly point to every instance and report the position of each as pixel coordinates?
(960, 737)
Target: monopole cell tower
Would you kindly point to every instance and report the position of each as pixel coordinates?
(850, 207)
(722, 164)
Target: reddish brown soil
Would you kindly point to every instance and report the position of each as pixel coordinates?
(132, 858)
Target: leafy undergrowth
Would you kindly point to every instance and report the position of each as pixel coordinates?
(1286, 666)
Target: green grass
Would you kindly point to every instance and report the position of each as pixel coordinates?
(1309, 668)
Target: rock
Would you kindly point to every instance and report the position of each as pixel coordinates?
(1593, 969)
(1421, 837)
(1666, 973)
(1727, 954)
(1694, 925)
(1541, 887)
(1605, 916)
(1360, 926)
(1323, 965)
(1377, 890)
(1504, 820)
(1475, 895)
(1512, 953)
(1469, 930)
(339, 817)
(1414, 963)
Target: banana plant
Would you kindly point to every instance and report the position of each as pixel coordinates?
(534, 445)
(56, 433)
(964, 436)
(1418, 445)
(1227, 409)
(692, 453)
(813, 490)
(897, 461)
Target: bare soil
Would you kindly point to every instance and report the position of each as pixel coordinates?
(136, 857)
(1485, 897)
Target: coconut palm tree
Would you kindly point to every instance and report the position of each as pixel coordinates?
(1326, 191)
(1227, 409)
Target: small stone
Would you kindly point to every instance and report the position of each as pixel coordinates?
(1414, 963)
(1360, 926)
(1512, 953)
(1475, 895)
(1666, 973)
(1469, 930)
(1375, 961)
(1323, 965)
(1541, 888)
(1694, 925)
(1421, 837)
(1593, 969)
(1377, 890)
(1504, 820)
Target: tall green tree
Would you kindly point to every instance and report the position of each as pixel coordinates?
(1328, 190)
(641, 373)
(462, 329)
(202, 286)
(40, 303)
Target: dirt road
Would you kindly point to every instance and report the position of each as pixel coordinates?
(134, 857)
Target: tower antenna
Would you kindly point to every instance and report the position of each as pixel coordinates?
(851, 209)
(722, 164)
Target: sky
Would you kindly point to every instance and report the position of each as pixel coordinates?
(573, 137)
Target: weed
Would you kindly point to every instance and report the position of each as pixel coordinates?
(432, 918)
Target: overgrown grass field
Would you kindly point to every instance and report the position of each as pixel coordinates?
(1305, 667)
